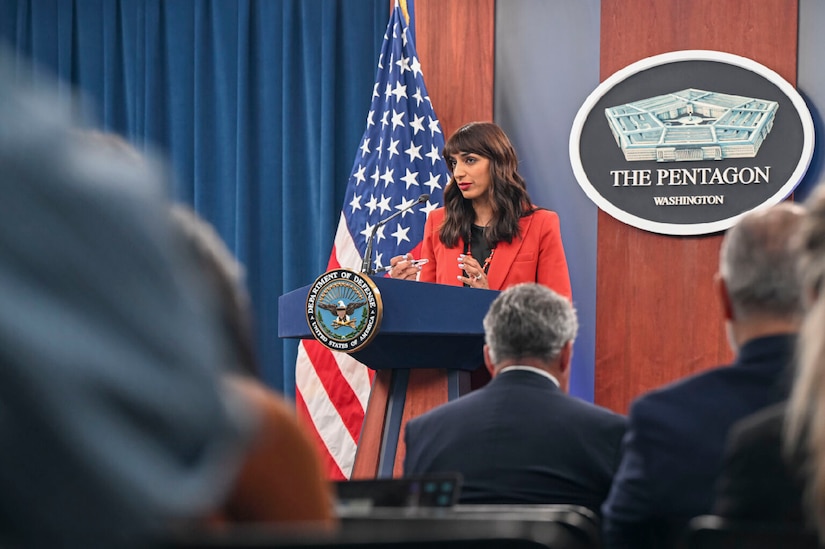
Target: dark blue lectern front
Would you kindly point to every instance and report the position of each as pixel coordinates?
(430, 338)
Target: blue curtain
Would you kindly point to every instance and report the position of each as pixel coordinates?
(257, 105)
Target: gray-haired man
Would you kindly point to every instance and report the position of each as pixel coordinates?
(520, 438)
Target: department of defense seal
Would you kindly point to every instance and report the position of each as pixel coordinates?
(344, 310)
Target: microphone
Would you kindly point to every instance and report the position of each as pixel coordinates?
(365, 265)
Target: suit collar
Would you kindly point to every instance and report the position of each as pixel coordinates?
(767, 349)
(523, 378)
(505, 256)
(537, 371)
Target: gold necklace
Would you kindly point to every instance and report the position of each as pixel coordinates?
(486, 266)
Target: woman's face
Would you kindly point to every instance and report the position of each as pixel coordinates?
(472, 175)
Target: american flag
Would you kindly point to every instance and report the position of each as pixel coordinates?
(399, 159)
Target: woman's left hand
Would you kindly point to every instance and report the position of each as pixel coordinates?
(476, 277)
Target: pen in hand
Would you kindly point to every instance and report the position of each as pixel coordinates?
(413, 262)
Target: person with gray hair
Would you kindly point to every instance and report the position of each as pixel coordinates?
(772, 471)
(673, 450)
(529, 323)
(521, 438)
(759, 275)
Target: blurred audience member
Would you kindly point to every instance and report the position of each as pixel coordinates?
(672, 452)
(520, 438)
(226, 277)
(114, 421)
(805, 425)
(282, 479)
(118, 420)
(758, 482)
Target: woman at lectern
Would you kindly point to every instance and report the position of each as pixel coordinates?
(488, 234)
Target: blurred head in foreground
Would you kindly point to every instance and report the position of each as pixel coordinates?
(115, 421)
(806, 410)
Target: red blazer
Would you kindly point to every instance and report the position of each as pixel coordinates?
(537, 256)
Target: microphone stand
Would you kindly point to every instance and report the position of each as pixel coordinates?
(365, 264)
(367, 261)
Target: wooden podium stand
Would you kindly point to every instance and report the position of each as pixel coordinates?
(430, 338)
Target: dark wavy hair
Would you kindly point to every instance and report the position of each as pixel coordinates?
(508, 191)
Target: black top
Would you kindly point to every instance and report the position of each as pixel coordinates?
(478, 247)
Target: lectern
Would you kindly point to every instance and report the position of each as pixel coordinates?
(430, 338)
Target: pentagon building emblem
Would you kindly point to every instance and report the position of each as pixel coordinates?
(691, 125)
(344, 310)
(687, 142)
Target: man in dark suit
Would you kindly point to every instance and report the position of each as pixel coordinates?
(521, 439)
(672, 452)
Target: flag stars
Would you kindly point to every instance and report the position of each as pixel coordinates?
(355, 203)
(429, 208)
(415, 66)
(399, 91)
(433, 155)
(397, 119)
(372, 204)
(410, 178)
(367, 230)
(400, 234)
(402, 134)
(393, 148)
(434, 129)
(406, 204)
(379, 234)
(384, 204)
(414, 152)
(387, 177)
(359, 175)
(418, 99)
(417, 124)
(432, 183)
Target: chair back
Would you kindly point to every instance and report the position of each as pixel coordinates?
(458, 527)
(712, 532)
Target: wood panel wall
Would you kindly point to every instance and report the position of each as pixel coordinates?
(455, 44)
(657, 317)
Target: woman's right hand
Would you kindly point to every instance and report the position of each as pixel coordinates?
(402, 267)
